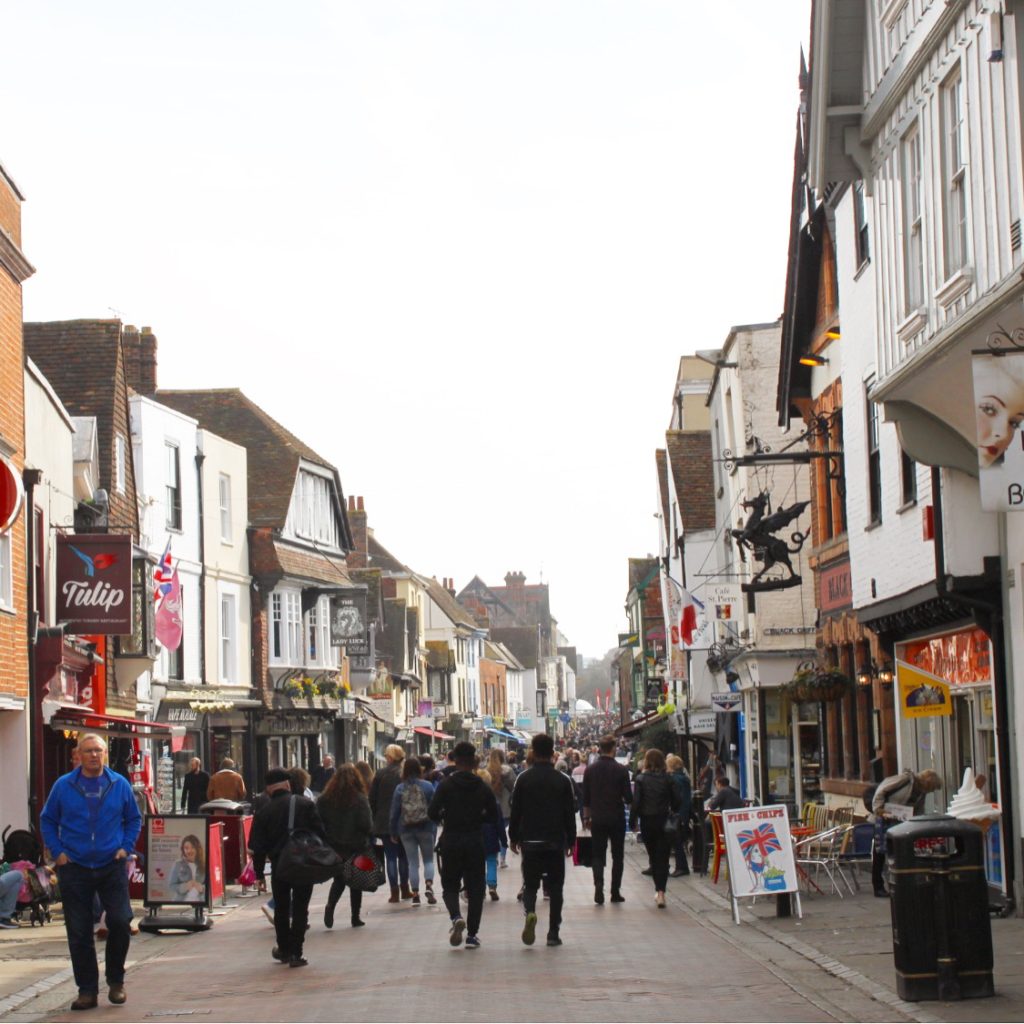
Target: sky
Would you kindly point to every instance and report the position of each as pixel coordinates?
(458, 248)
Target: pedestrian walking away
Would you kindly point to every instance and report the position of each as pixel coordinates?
(606, 798)
(492, 842)
(382, 792)
(684, 788)
(654, 798)
(503, 781)
(903, 790)
(194, 787)
(462, 804)
(542, 827)
(89, 824)
(348, 824)
(411, 826)
(226, 784)
(269, 834)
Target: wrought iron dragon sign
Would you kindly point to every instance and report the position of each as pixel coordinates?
(758, 537)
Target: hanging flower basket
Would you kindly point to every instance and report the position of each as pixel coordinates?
(818, 684)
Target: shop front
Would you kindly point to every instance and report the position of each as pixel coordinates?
(288, 739)
(945, 701)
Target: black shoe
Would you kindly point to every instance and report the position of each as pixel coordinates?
(599, 897)
(647, 871)
(617, 897)
(883, 893)
(297, 960)
(357, 922)
(554, 940)
(329, 915)
(279, 954)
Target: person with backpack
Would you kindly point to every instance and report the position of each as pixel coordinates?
(412, 827)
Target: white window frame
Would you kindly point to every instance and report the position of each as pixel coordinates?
(954, 174)
(120, 464)
(224, 507)
(293, 627)
(912, 169)
(174, 517)
(6, 576)
(285, 615)
(276, 638)
(228, 639)
(311, 513)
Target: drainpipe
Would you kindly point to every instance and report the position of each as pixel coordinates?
(200, 459)
(31, 478)
(993, 613)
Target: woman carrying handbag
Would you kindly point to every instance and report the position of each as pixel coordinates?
(345, 811)
(656, 805)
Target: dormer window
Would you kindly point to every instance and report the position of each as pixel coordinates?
(312, 513)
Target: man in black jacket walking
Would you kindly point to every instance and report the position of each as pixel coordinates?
(543, 826)
(269, 834)
(463, 803)
(607, 796)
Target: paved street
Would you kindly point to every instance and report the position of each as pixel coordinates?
(629, 962)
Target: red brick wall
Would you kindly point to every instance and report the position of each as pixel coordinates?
(13, 628)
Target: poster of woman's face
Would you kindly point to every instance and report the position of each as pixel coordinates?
(999, 413)
(177, 860)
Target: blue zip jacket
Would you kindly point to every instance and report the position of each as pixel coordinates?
(91, 840)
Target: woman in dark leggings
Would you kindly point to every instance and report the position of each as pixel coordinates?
(348, 823)
(654, 797)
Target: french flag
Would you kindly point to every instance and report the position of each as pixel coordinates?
(688, 617)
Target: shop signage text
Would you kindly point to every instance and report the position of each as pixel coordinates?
(835, 585)
(725, 702)
(288, 725)
(348, 622)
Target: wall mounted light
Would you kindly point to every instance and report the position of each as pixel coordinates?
(812, 360)
(870, 670)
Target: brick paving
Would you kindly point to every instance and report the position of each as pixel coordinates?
(628, 962)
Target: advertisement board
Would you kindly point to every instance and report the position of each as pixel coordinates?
(999, 411)
(760, 851)
(94, 583)
(178, 860)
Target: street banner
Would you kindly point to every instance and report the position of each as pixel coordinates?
(922, 694)
(94, 583)
(760, 851)
(999, 411)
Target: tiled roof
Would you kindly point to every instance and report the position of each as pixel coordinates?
(381, 558)
(640, 570)
(449, 605)
(84, 363)
(273, 452)
(272, 559)
(693, 473)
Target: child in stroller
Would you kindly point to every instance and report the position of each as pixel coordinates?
(23, 852)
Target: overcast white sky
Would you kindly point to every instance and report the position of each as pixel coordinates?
(457, 248)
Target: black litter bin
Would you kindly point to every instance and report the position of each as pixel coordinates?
(225, 807)
(942, 937)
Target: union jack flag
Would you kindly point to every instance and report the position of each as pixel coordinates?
(162, 574)
(762, 839)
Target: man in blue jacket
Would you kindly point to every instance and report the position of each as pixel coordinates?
(90, 824)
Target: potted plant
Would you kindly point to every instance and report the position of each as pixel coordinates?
(328, 687)
(292, 688)
(309, 688)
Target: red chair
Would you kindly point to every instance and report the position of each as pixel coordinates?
(717, 845)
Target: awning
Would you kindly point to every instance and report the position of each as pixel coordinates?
(501, 732)
(91, 721)
(634, 727)
(422, 730)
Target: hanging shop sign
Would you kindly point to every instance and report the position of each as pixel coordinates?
(961, 658)
(922, 694)
(348, 622)
(999, 410)
(12, 494)
(722, 601)
(702, 722)
(94, 583)
(835, 587)
(725, 702)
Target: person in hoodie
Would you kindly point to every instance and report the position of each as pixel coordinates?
(90, 824)
(463, 803)
(543, 826)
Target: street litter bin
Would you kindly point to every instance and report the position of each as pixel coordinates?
(237, 822)
(942, 937)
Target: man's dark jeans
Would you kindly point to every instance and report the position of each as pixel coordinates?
(549, 864)
(78, 887)
(291, 914)
(463, 862)
(603, 835)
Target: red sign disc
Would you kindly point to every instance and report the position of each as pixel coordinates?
(12, 494)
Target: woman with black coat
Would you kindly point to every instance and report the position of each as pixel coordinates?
(654, 797)
(345, 812)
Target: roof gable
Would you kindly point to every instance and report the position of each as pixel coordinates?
(690, 459)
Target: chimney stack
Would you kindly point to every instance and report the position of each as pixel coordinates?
(139, 348)
(359, 556)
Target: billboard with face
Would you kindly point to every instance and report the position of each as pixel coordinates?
(999, 412)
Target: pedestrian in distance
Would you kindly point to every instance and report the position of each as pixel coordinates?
(503, 781)
(321, 774)
(90, 824)
(348, 824)
(906, 789)
(366, 772)
(268, 837)
(654, 798)
(684, 788)
(542, 826)
(429, 770)
(299, 779)
(411, 826)
(194, 786)
(382, 791)
(226, 784)
(462, 804)
(607, 796)
(492, 843)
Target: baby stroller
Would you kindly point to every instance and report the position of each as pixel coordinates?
(22, 850)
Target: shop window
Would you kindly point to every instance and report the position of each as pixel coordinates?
(142, 641)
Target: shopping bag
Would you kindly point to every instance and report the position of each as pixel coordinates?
(364, 871)
(583, 852)
(248, 876)
(305, 859)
